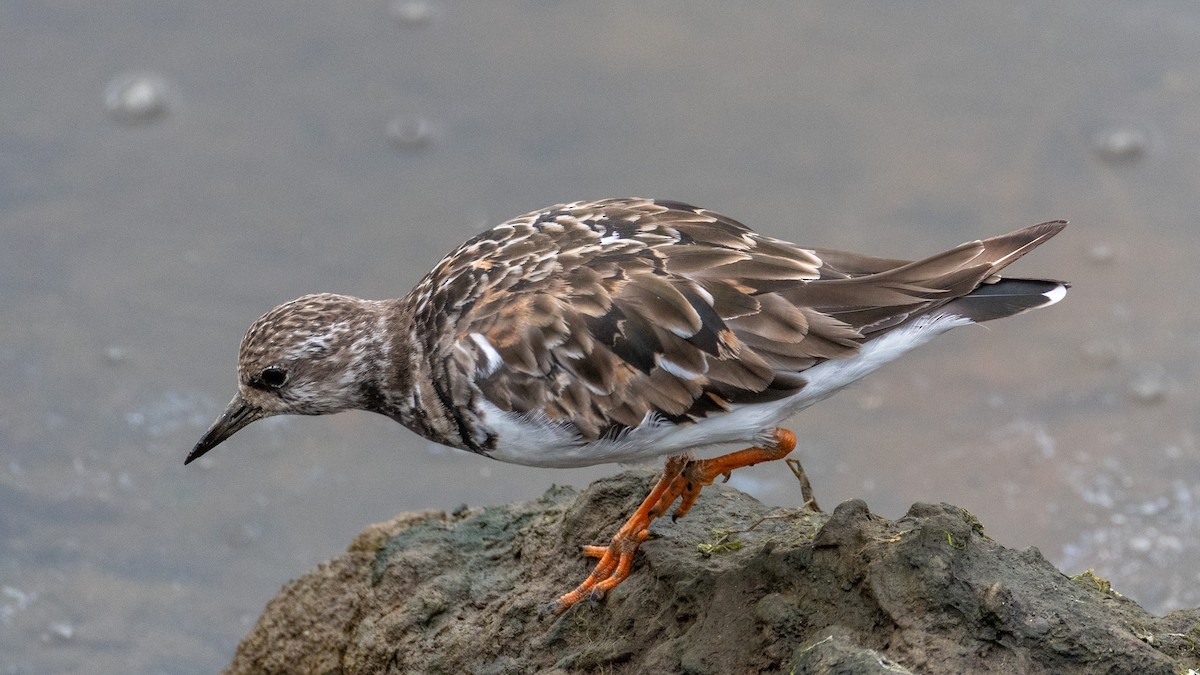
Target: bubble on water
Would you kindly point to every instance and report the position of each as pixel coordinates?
(1121, 142)
(1096, 489)
(136, 98)
(58, 632)
(409, 132)
(1149, 384)
(1154, 506)
(412, 13)
(13, 600)
(116, 355)
(1101, 254)
(1045, 442)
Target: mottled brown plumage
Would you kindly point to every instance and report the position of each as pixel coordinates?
(619, 330)
(605, 312)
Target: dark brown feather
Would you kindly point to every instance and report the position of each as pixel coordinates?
(605, 312)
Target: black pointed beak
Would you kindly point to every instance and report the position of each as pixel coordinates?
(236, 415)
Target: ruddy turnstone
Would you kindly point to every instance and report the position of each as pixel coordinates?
(618, 331)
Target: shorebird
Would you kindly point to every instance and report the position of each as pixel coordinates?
(621, 330)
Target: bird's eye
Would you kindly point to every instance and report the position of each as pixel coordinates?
(273, 376)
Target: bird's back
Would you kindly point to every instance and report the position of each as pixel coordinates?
(593, 318)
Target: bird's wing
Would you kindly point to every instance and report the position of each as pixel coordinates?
(597, 314)
(877, 294)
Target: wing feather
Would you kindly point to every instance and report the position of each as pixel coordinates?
(604, 313)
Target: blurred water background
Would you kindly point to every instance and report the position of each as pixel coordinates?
(171, 170)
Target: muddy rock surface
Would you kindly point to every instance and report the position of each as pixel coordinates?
(735, 587)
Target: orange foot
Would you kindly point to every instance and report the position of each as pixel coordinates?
(681, 477)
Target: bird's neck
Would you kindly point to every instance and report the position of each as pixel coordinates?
(400, 357)
(413, 388)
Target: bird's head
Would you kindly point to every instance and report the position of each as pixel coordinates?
(311, 356)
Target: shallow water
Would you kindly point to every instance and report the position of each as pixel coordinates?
(170, 171)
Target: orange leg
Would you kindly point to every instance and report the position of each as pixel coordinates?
(699, 473)
(680, 477)
(617, 557)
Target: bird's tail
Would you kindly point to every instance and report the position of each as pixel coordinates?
(1006, 297)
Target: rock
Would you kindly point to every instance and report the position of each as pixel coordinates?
(734, 587)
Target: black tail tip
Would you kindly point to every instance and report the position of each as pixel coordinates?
(1008, 297)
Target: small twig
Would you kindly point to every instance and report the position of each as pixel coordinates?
(806, 491)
